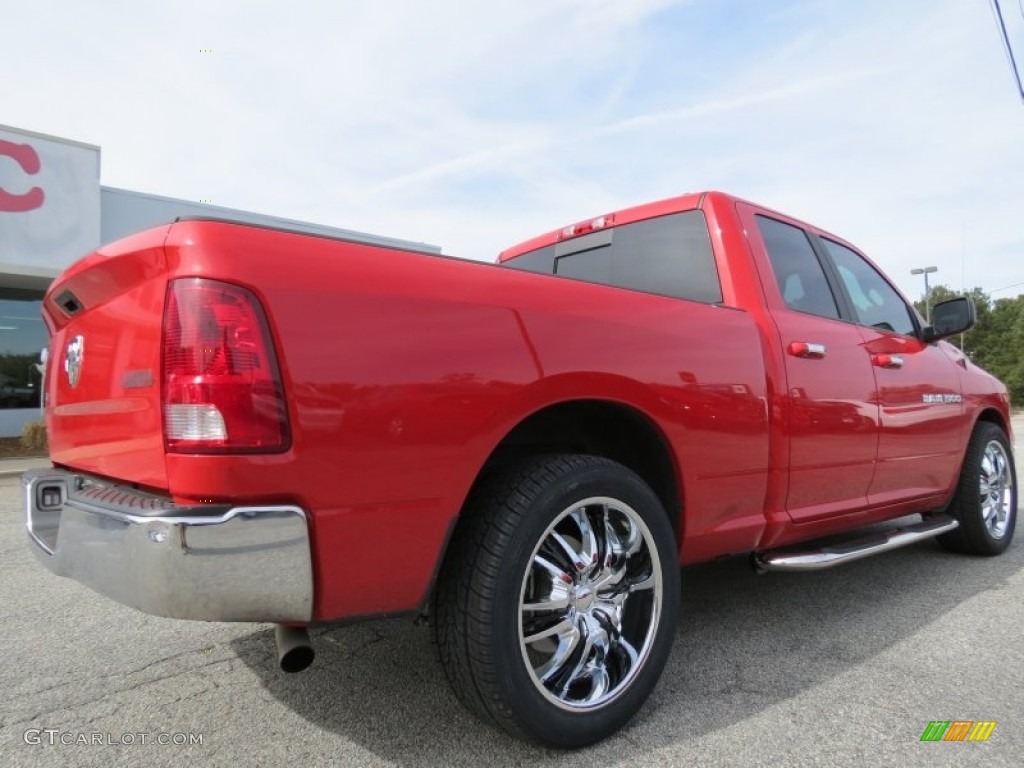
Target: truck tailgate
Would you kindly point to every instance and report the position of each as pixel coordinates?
(103, 373)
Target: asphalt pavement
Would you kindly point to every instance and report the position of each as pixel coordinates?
(844, 667)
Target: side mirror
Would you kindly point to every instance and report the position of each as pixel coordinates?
(949, 318)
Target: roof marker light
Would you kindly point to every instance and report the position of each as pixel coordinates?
(586, 227)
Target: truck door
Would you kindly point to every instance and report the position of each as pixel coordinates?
(830, 395)
(921, 412)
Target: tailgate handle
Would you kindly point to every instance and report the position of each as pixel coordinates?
(887, 361)
(807, 349)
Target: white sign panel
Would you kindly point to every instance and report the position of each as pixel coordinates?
(49, 199)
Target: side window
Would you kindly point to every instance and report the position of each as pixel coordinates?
(875, 301)
(668, 255)
(798, 272)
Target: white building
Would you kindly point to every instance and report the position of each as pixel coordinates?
(53, 211)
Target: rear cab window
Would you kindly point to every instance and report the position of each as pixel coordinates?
(667, 255)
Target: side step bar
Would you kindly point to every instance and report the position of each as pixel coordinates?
(816, 558)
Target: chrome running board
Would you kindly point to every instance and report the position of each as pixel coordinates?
(816, 558)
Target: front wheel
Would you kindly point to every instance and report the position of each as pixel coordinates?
(556, 608)
(985, 501)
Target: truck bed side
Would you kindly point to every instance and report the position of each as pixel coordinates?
(405, 372)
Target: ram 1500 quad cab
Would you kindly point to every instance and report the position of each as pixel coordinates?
(249, 424)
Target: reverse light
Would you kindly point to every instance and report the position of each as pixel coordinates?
(195, 421)
(222, 390)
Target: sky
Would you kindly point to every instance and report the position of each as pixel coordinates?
(476, 125)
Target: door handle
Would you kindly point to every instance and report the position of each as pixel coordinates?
(887, 361)
(807, 349)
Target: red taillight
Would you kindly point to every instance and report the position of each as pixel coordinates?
(222, 391)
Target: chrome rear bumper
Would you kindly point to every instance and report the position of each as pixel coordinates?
(208, 562)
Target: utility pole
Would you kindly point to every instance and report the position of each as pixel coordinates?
(927, 295)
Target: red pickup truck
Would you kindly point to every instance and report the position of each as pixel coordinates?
(249, 424)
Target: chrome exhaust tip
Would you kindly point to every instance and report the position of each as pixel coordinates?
(294, 648)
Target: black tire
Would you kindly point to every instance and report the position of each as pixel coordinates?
(498, 615)
(985, 500)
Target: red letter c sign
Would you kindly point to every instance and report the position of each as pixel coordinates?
(25, 156)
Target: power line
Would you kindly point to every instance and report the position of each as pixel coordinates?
(998, 11)
(1006, 288)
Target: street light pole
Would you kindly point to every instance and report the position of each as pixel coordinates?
(927, 295)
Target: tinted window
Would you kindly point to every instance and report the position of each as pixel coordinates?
(593, 264)
(875, 302)
(669, 255)
(797, 270)
(542, 260)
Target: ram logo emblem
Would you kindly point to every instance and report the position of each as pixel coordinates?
(73, 360)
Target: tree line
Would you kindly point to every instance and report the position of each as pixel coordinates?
(996, 342)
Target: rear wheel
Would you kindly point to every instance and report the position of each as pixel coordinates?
(985, 501)
(556, 608)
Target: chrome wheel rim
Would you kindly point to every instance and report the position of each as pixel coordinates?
(590, 604)
(996, 489)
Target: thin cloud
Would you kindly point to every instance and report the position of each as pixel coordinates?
(495, 158)
(722, 106)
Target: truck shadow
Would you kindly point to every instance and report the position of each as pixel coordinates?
(744, 644)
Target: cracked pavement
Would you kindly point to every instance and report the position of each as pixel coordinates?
(841, 667)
